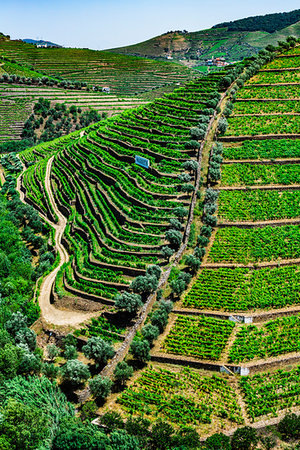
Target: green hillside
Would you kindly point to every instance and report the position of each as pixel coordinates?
(169, 249)
(231, 42)
(122, 74)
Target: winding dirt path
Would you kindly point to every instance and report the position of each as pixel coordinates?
(49, 312)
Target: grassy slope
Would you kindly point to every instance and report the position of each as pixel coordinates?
(207, 43)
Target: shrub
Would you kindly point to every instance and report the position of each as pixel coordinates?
(100, 387)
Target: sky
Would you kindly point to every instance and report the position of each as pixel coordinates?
(104, 24)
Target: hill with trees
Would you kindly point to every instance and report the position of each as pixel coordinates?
(231, 40)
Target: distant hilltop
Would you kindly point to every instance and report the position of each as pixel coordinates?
(41, 43)
(223, 43)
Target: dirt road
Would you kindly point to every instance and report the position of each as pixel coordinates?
(49, 313)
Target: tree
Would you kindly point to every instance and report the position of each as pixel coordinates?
(10, 357)
(112, 420)
(206, 231)
(119, 439)
(123, 372)
(27, 337)
(144, 284)
(222, 125)
(184, 177)
(193, 262)
(180, 212)
(188, 188)
(218, 441)
(50, 370)
(289, 426)
(268, 442)
(128, 302)
(197, 133)
(244, 439)
(176, 224)
(210, 220)
(178, 286)
(74, 372)
(190, 165)
(70, 340)
(187, 437)
(139, 427)
(154, 270)
(53, 351)
(98, 350)
(199, 252)
(23, 426)
(150, 332)
(167, 252)
(100, 386)
(140, 350)
(88, 411)
(159, 319)
(16, 323)
(174, 237)
(74, 435)
(70, 352)
(211, 195)
(192, 145)
(161, 434)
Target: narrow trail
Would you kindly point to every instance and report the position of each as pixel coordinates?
(49, 312)
(2, 177)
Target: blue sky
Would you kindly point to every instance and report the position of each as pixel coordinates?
(101, 24)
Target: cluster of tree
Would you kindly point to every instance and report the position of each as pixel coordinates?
(268, 22)
(15, 146)
(74, 373)
(141, 287)
(19, 222)
(11, 162)
(142, 343)
(53, 122)
(215, 161)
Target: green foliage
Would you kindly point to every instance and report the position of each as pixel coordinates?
(112, 420)
(150, 332)
(53, 351)
(74, 372)
(73, 435)
(242, 289)
(123, 372)
(100, 386)
(244, 439)
(267, 393)
(273, 338)
(129, 302)
(70, 352)
(267, 22)
(289, 427)
(253, 245)
(218, 441)
(98, 350)
(38, 394)
(23, 426)
(140, 350)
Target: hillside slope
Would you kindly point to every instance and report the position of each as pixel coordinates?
(125, 75)
(233, 41)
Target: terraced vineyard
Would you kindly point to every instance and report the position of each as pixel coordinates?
(250, 271)
(118, 212)
(240, 311)
(17, 102)
(125, 75)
